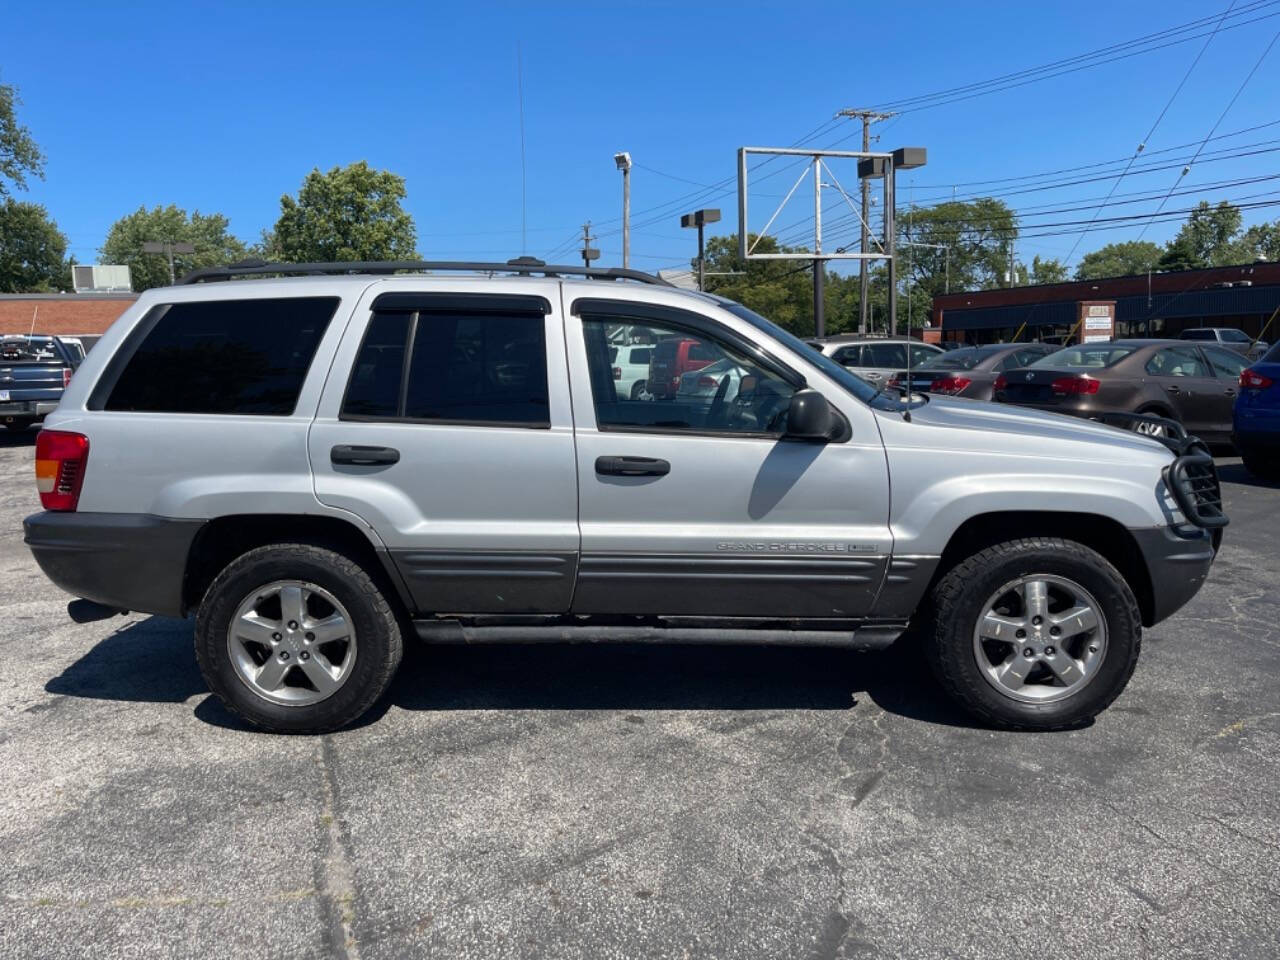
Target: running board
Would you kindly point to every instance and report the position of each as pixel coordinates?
(869, 637)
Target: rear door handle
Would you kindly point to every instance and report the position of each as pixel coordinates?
(632, 467)
(358, 456)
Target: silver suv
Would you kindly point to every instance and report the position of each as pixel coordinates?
(319, 466)
(877, 359)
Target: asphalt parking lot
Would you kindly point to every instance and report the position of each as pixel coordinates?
(638, 802)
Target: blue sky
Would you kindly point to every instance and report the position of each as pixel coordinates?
(225, 107)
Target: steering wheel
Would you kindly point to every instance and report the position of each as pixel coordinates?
(716, 413)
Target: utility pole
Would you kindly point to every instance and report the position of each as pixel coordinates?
(867, 117)
(623, 160)
(589, 252)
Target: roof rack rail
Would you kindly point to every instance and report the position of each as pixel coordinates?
(521, 266)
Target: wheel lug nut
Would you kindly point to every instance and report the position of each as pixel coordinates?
(1054, 631)
(1037, 620)
(275, 637)
(1020, 634)
(1028, 652)
(1049, 651)
(293, 624)
(284, 654)
(1093, 648)
(310, 637)
(304, 655)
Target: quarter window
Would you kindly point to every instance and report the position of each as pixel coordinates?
(483, 368)
(695, 382)
(223, 356)
(884, 355)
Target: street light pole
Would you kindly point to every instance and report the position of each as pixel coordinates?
(699, 219)
(623, 160)
(169, 249)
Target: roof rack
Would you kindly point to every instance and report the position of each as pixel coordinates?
(521, 266)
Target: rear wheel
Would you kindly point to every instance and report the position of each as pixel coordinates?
(637, 390)
(1034, 634)
(297, 638)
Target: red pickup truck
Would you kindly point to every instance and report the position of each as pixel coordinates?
(673, 358)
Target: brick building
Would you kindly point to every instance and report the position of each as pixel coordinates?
(1157, 305)
(69, 314)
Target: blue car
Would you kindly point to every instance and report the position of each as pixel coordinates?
(1256, 420)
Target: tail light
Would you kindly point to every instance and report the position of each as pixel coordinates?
(950, 384)
(617, 373)
(1001, 382)
(66, 377)
(1253, 380)
(1076, 385)
(60, 463)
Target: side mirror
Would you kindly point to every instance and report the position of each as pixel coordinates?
(810, 417)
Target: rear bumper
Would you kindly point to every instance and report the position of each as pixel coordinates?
(1177, 564)
(26, 409)
(127, 561)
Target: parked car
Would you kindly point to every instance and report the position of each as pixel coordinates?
(1167, 378)
(1256, 421)
(1228, 337)
(631, 369)
(876, 359)
(970, 372)
(708, 381)
(450, 457)
(673, 357)
(34, 370)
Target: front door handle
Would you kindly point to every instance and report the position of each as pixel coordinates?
(632, 467)
(359, 456)
(1172, 388)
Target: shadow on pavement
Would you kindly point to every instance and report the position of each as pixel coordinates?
(21, 438)
(152, 661)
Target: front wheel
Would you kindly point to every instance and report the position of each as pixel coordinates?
(297, 638)
(1034, 634)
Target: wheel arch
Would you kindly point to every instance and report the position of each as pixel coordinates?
(1100, 533)
(224, 538)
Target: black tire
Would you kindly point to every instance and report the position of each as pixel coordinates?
(958, 600)
(375, 622)
(1265, 466)
(637, 389)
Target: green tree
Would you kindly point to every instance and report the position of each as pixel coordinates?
(1207, 239)
(781, 290)
(19, 154)
(208, 233)
(1049, 270)
(32, 250)
(349, 213)
(1119, 260)
(1259, 242)
(974, 237)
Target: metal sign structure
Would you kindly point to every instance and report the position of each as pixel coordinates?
(871, 165)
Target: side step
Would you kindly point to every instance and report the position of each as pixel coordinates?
(875, 636)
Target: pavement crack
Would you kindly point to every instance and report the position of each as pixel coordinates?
(335, 875)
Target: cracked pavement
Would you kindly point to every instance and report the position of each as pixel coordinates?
(558, 801)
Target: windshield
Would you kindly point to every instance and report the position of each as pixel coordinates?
(1084, 358)
(854, 384)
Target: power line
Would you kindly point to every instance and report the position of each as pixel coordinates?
(1239, 90)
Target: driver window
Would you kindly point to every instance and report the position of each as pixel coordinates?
(693, 382)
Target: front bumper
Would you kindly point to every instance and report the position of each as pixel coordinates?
(1178, 562)
(123, 560)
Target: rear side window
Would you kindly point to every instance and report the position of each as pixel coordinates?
(483, 368)
(884, 355)
(223, 356)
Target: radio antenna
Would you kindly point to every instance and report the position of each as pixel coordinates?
(524, 232)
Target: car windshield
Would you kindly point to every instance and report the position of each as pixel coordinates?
(965, 359)
(1273, 355)
(854, 384)
(1085, 357)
